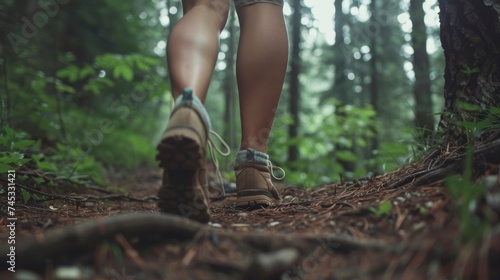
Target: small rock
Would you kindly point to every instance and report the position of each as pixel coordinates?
(216, 225)
(242, 214)
(69, 273)
(272, 265)
(289, 198)
(26, 275)
(429, 204)
(272, 224)
(332, 223)
(418, 226)
(240, 225)
(400, 198)
(89, 204)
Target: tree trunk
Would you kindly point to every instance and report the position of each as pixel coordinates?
(470, 36)
(341, 83)
(422, 88)
(229, 83)
(374, 87)
(293, 150)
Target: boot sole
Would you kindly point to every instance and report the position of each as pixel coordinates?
(181, 156)
(250, 201)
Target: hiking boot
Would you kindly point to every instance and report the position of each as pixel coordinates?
(181, 154)
(253, 180)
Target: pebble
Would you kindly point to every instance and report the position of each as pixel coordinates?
(26, 275)
(418, 226)
(289, 197)
(240, 225)
(332, 223)
(216, 225)
(71, 272)
(429, 204)
(272, 224)
(89, 204)
(242, 214)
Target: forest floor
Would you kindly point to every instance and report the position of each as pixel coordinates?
(400, 225)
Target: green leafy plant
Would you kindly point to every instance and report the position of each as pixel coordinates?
(12, 146)
(465, 194)
(332, 137)
(383, 209)
(69, 163)
(477, 120)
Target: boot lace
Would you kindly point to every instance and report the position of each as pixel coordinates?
(272, 167)
(212, 149)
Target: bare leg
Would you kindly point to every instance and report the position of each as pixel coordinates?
(260, 70)
(193, 45)
(192, 53)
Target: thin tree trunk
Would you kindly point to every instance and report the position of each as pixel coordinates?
(5, 104)
(341, 83)
(470, 36)
(293, 151)
(374, 87)
(422, 87)
(230, 86)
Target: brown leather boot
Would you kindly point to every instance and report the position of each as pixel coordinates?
(181, 154)
(253, 180)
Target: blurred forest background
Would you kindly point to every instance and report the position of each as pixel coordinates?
(84, 86)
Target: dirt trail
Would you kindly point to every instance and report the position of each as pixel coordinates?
(401, 225)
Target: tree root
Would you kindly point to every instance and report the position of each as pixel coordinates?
(32, 252)
(489, 152)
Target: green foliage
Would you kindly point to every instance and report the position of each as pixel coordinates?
(393, 155)
(466, 195)
(328, 140)
(13, 144)
(130, 116)
(478, 119)
(68, 162)
(383, 209)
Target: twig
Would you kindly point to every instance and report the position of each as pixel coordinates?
(129, 250)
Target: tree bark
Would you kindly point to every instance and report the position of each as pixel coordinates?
(341, 83)
(422, 88)
(229, 83)
(374, 87)
(293, 150)
(470, 36)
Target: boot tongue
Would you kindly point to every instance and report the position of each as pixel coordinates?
(252, 155)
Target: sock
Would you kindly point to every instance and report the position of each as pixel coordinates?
(187, 98)
(252, 155)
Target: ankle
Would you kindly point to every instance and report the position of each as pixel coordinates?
(251, 155)
(188, 99)
(255, 146)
